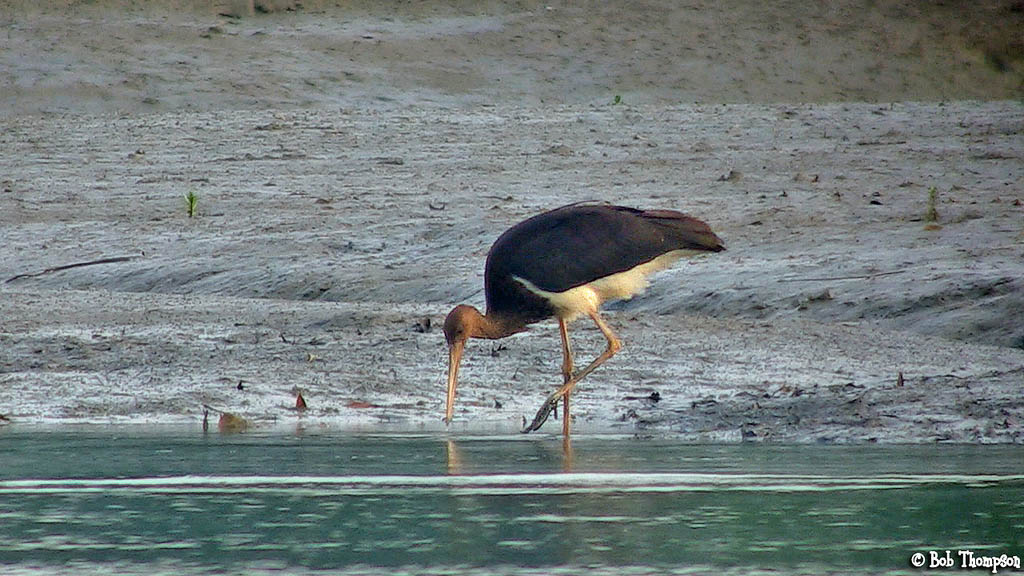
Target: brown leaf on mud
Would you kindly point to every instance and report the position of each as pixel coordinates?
(359, 404)
(422, 325)
(231, 424)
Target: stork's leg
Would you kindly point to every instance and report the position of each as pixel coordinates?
(614, 345)
(563, 330)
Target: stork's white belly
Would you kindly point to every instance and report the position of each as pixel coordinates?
(587, 298)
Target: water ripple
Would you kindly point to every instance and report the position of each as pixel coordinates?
(501, 484)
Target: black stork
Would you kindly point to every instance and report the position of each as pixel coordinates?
(563, 264)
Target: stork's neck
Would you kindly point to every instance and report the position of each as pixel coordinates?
(494, 325)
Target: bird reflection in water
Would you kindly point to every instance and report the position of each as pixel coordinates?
(457, 466)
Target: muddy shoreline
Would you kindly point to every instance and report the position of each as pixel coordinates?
(328, 232)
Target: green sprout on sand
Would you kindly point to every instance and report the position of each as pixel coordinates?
(931, 215)
(191, 202)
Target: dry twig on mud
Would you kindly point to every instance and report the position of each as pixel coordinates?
(110, 260)
(852, 277)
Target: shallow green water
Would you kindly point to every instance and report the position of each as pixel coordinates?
(126, 501)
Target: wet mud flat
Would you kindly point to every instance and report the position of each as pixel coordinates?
(327, 246)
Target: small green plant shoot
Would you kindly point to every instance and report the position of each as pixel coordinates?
(932, 214)
(191, 203)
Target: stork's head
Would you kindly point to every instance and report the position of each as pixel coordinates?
(462, 323)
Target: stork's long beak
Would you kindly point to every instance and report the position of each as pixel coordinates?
(454, 358)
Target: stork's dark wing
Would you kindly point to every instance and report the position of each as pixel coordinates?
(577, 244)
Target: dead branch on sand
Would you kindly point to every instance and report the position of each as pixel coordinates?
(852, 277)
(110, 260)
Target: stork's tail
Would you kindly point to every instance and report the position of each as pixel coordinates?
(689, 232)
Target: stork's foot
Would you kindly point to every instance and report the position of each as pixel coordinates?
(550, 405)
